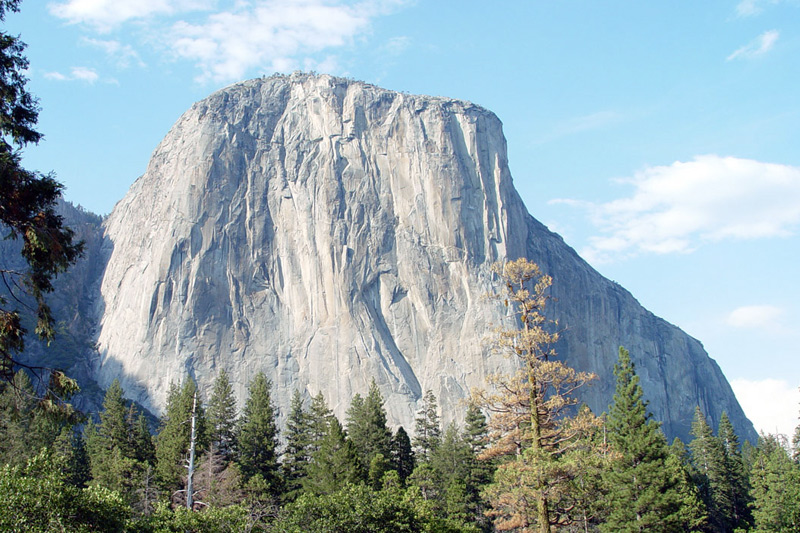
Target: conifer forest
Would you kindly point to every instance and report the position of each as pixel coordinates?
(527, 457)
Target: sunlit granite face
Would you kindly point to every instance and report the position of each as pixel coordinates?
(329, 232)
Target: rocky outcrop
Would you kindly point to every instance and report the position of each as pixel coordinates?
(329, 232)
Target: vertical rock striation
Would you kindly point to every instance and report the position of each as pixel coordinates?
(329, 232)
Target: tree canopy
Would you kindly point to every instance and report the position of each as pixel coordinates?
(27, 215)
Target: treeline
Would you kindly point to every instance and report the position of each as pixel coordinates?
(113, 475)
(528, 457)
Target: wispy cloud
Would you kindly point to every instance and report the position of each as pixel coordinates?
(757, 47)
(590, 122)
(676, 208)
(227, 39)
(771, 404)
(397, 45)
(270, 35)
(749, 8)
(762, 317)
(105, 15)
(123, 54)
(83, 74)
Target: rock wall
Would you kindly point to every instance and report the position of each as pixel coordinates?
(329, 232)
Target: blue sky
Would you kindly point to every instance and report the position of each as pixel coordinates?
(661, 139)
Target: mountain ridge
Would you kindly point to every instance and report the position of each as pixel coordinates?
(282, 223)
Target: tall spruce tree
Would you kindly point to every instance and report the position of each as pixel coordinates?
(334, 464)
(174, 437)
(775, 481)
(70, 450)
(258, 437)
(25, 429)
(298, 442)
(736, 478)
(644, 491)
(427, 431)
(119, 447)
(221, 416)
(319, 419)
(371, 438)
(708, 458)
(403, 460)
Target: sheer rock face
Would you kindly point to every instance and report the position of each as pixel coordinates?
(328, 233)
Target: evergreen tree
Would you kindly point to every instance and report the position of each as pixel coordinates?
(258, 436)
(403, 460)
(736, 478)
(141, 440)
(70, 450)
(319, 419)
(115, 426)
(298, 441)
(644, 486)
(775, 481)
(427, 431)
(334, 464)
(119, 448)
(476, 432)
(25, 428)
(174, 436)
(453, 463)
(221, 416)
(708, 457)
(796, 445)
(28, 203)
(371, 438)
(530, 423)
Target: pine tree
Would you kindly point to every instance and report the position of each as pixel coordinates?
(141, 440)
(70, 449)
(427, 431)
(475, 429)
(775, 480)
(174, 436)
(530, 424)
(28, 203)
(221, 416)
(334, 464)
(258, 436)
(119, 455)
(319, 419)
(644, 487)
(403, 460)
(25, 428)
(298, 441)
(736, 478)
(115, 424)
(371, 438)
(708, 457)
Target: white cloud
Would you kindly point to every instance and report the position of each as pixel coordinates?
(749, 8)
(757, 47)
(755, 317)
(226, 39)
(590, 122)
(397, 45)
(676, 208)
(771, 404)
(105, 15)
(123, 54)
(84, 74)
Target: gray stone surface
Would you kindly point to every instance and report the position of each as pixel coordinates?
(329, 232)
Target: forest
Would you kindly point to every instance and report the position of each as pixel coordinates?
(527, 457)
